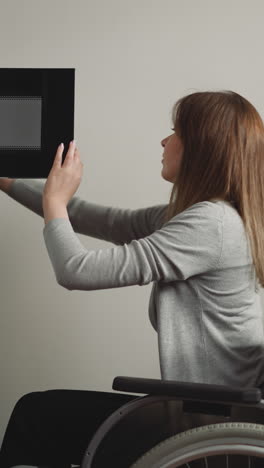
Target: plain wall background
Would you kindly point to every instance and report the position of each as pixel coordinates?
(133, 60)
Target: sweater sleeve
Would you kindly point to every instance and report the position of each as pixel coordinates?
(189, 244)
(116, 225)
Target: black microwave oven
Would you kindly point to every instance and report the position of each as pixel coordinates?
(36, 115)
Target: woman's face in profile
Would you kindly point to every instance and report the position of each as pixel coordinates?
(172, 156)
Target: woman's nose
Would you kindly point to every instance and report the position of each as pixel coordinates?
(164, 141)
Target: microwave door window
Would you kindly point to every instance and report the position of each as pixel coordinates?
(20, 118)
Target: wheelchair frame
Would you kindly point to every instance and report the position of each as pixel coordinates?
(202, 401)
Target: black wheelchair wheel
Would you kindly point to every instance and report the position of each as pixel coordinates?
(223, 445)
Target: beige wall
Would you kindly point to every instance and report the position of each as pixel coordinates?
(133, 60)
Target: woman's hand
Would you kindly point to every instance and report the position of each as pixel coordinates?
(63, 180)
(5, 184)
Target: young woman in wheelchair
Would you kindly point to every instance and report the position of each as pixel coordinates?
(202, 251)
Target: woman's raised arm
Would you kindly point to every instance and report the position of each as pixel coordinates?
(116, 225)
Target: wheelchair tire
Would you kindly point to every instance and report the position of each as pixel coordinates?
(240, 438)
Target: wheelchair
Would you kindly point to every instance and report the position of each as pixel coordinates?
(179, 424)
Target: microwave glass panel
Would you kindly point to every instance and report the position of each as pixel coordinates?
(20, 118)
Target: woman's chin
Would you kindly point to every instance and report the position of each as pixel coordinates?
(166, 177)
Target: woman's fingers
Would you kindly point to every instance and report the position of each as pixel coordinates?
(58, 156)
(76, 154)
(70, 154)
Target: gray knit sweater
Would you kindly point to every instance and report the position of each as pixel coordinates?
(203, 303)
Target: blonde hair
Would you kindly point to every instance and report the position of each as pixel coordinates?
(223, 157)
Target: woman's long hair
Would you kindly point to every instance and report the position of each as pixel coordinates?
(223, 157)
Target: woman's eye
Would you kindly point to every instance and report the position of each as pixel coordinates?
(173, 129)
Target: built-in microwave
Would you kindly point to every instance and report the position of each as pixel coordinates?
(36, 115)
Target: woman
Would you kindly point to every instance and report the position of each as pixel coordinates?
(203, 252)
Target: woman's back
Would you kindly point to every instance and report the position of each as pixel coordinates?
(210, 323)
